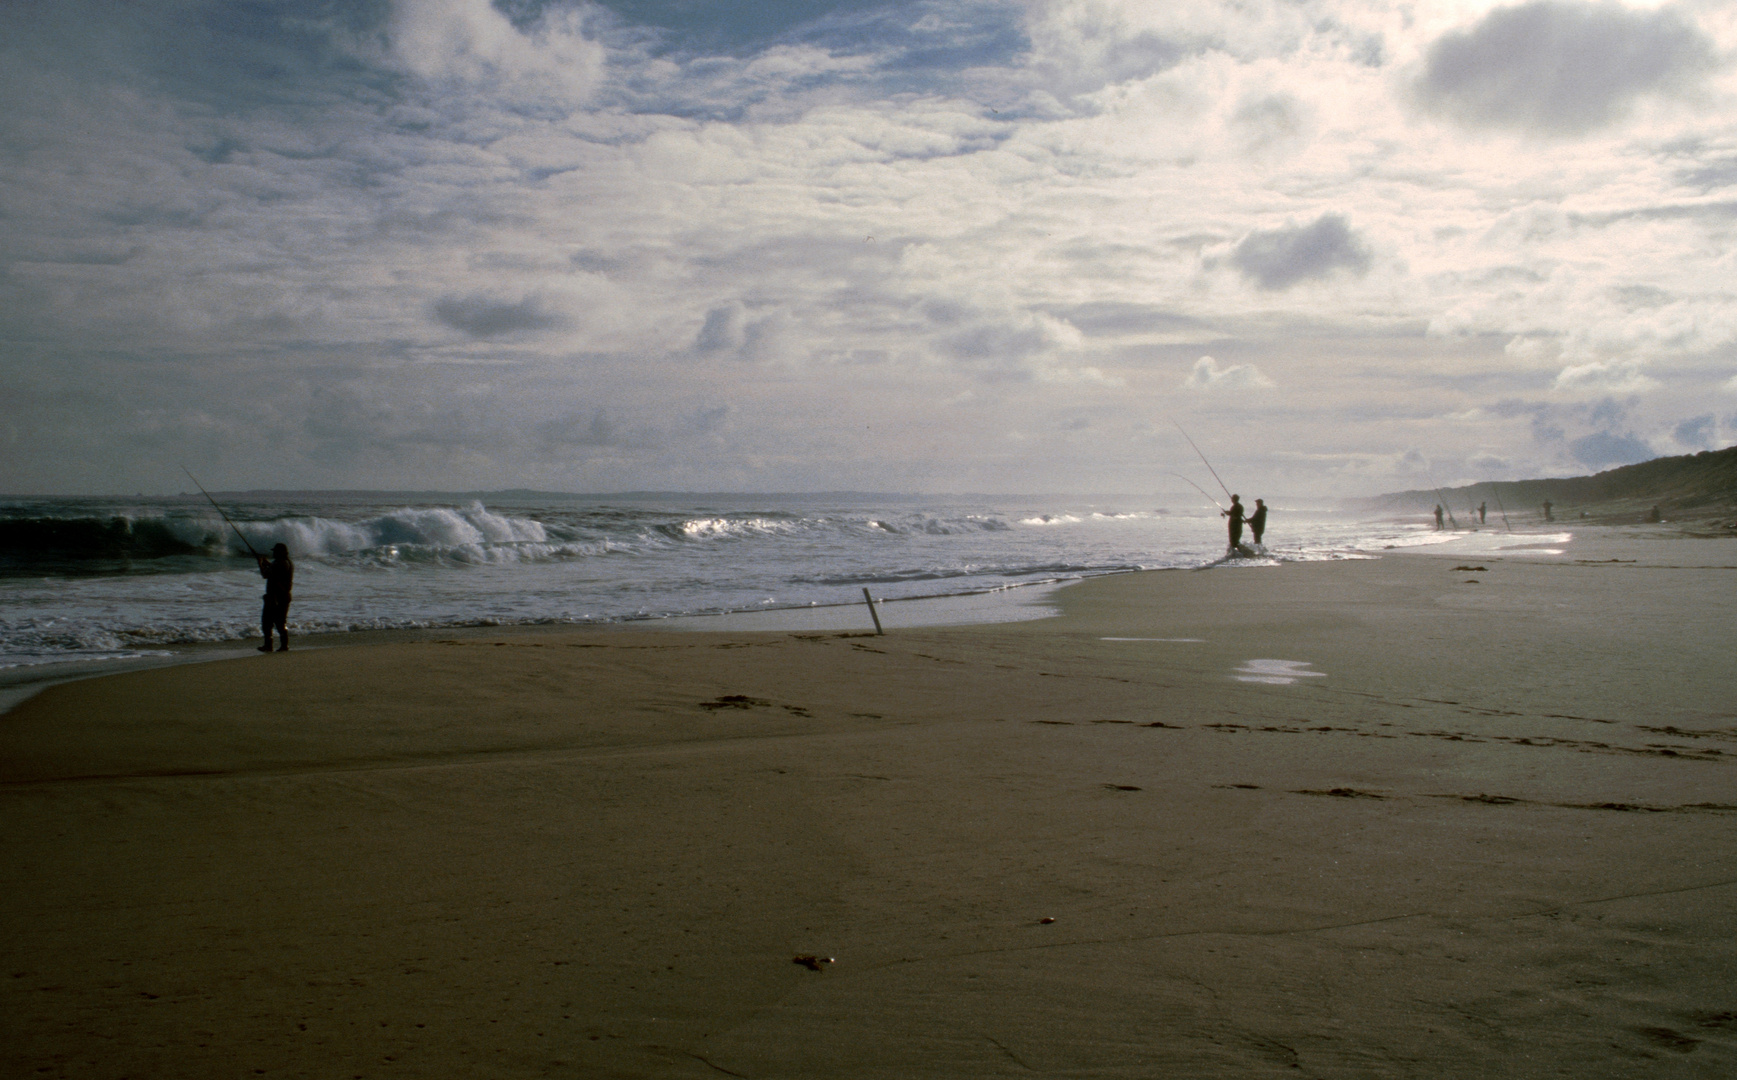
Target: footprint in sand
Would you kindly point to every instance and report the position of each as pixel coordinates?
(1277, 672)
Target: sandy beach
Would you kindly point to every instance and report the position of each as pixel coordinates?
(1424, 816)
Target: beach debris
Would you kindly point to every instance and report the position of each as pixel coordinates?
(1478, 568)
(1046, 920)
(1668, 1039)
(735, 701)
(1121, 787)
(810, 961)
(1340, 792)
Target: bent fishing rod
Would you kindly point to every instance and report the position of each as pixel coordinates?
(1205, 462)
(221, 514)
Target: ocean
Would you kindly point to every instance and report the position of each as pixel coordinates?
(102, 579)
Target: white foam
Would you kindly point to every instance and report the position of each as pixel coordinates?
(1277, 672)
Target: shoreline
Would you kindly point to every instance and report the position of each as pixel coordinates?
(983, 607)
(1011, 604)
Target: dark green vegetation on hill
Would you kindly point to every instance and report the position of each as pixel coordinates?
(1699, 489)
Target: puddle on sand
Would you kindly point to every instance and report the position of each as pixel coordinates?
(1277, 672)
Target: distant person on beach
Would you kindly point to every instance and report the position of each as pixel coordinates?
(1547, 514)
(1481, 507)
(1257, 521)
(1654, 516)
(1235, 516)
(279, 574)
(1438, 515)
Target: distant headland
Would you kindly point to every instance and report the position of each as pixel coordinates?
(1697, 492)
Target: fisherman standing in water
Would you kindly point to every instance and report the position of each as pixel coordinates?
(279, 574)
(1257, 521)
(1235, 516)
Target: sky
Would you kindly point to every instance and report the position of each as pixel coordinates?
(1350, 246)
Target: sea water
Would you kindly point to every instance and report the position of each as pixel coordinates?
(107, 579)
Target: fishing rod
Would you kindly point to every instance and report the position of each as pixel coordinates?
(1200, 489)
(1500, 507)
(1203, 461)
(221, 514)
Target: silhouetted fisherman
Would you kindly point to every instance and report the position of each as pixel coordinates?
(279, 574)
(1257, 521)
(1235, 516)
(1438, 515)
(1547, 515)
(1481, 513)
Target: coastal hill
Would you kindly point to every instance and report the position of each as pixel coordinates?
(1693, 489)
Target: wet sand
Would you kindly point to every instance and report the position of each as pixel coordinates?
(1488, 828)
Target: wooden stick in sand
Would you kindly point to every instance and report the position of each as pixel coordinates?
(872, 613)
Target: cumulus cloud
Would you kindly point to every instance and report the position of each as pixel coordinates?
(1559, 68)
(1208, 375)
(471, 41)
(1280, 258)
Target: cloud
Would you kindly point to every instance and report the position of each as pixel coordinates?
(1603, 449)
(1559, 68)
(725, 329)
(1697, 433)
(478, 217)
(472, 42)
(577, 431)
(1280, 258)
(1605, 377)
(485, 317)
(1207, 375)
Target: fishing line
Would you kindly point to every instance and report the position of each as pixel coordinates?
(1205, 462)
(1200, 489)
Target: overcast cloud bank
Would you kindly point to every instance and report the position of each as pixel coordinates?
(934, 246)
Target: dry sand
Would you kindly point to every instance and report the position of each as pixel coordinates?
(1496, 835)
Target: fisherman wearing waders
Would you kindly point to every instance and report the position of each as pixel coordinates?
(1235, 516)
(279, 573)
(1257, 521)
